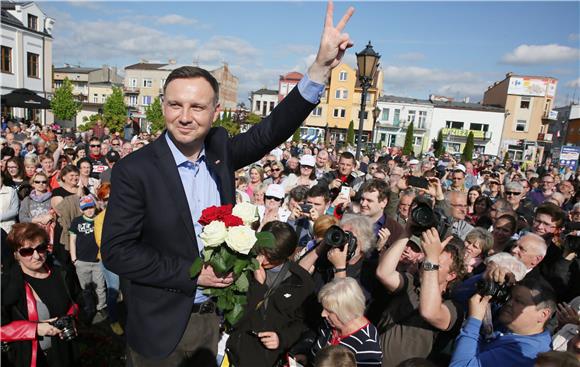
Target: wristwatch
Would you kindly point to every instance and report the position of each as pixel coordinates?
(427, 266)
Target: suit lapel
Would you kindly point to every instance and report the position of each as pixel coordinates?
(168, 169)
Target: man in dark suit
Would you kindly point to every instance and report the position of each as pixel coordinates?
(151, 231)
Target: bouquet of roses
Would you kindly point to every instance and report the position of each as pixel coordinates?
(231, 246)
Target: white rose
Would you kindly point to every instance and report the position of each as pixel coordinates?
(247, 212)
(241, 239)
(214, 234)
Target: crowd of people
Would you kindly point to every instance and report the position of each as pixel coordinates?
(402, 295)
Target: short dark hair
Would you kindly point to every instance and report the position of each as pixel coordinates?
(84, 160)
(319, 191)
(192, 72)
(347, 155)
(458, 263)
(554, 211)
(298, 193)
(94, 138)
(286, 241)
(379, 186)
(510, 218)
(66, 170)
(543, 294)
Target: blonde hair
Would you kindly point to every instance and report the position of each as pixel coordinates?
(482, 237)
(335, 356)
(344, 297)
(322, 224)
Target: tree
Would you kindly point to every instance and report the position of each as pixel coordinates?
(154, 114)
(89, 122)
(227, 123)
(506, 156)
(115, 110)
(296, 136)
(350, 134)
(438, 145)
(253, 119)
(63, 104)
(408, 147)
(468, 149)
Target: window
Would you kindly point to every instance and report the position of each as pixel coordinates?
(422, 119)
(146, 100)
(271, 106)
(525, 103)
(547, 107)
(411, 116)
(479, 127)
(33, 22)
(6, 59)
(57, 84)
(147, 83)
(133, 83)
(454, 124)
(103, 98)
(521, 125)
(258, 106)
(32, 64)
(397, 116)
(317, 111)
(342, 76)
(132, 100)
(339, 112)
(385, 114)
(341, 94)
(95, 98)
(418, 140)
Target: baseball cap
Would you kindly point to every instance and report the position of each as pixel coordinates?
(113, 156)
(413, 161)
(460, 167)
(86, 202)
(307, 160)
(276, 191)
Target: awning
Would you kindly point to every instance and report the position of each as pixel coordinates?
(25, 98)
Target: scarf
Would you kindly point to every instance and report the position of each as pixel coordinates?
(40, 198)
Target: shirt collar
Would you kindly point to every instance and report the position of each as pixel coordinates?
(179, 157)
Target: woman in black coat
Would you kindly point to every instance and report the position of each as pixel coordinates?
(34, 295)
(274, 315)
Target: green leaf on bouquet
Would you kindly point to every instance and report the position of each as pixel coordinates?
(265, 240)
(242, 283)
(195, 268)
(223, 304)
(229, 258)
(235, 314)
(218, 263)
(207, 252)
(240, 265)
(254, 265)
(241, 299)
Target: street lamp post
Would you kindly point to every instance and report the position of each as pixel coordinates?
(367, 61)
(376, 112)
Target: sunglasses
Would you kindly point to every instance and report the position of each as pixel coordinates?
(276, 169)
(512, 193)
(95, 145)
(116, 145)
(40, 182)
(273, 198)
(28, 251)
(307, 167)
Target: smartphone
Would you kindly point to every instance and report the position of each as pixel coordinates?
(420, 182)
(253, 333)
(345, 191)
(305, 208)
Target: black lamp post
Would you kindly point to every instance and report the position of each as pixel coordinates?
(376, 112)
(367, 61)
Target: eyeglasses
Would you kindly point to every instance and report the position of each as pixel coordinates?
(273, 198)
(512, 193)
(40, 182)
(276, 169)
(95, 145)
(116, 145)
(12, 167)
(459, 205)
(28, 251)
(547, 225)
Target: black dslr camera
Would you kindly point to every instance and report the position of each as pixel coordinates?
(424, 217)
(67, 325)
(500, 293)
(336, 237)
(572, 242)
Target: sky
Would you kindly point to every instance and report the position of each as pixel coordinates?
(455, 49)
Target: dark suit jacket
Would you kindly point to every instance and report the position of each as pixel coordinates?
(148, 235)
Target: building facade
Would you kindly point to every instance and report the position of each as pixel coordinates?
(528, 102)
(263, 101)
(91, 87)
(287, 82)
(228, 87)
(566, 129)
(394, 116)
(26, 43)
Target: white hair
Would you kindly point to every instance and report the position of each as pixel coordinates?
(510, 263)
(344, 297)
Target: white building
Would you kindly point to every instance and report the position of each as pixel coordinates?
(263, 101)
(457, 119)
(395, 115)
(26, 55)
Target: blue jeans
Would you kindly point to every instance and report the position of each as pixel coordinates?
(112, 280)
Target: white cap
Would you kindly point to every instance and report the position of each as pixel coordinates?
(276, 191)
(307, 160)
(460, 167)
(413, 161)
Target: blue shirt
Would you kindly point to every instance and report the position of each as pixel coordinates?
(197, 175)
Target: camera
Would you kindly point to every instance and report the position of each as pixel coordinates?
(335, 237)
(67, 325)
(572, 243)
(424, 217)
(500, 293)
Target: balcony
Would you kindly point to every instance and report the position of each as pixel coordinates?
(545, 137)
(477, 134)
(131, 90)
(549, 117)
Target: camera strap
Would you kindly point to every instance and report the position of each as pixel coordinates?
(61, 276)
(279, 279)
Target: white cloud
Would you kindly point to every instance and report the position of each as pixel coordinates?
(88, 4)
(172, 19)
(541, 54)
(573, 83)
(573, 37)
(411, 56)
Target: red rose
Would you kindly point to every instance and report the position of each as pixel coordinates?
(208, 215)
(225, 210)
(232, 221)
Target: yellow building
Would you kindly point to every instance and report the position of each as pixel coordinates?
(528, 103)
(340, 104)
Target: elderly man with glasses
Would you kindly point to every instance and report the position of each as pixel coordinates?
(546, 189)
(514, 194)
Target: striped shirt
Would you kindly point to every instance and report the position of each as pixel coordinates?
(364, 343)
